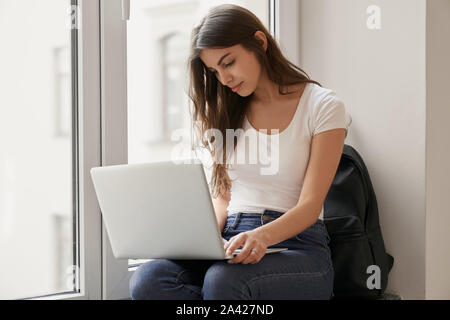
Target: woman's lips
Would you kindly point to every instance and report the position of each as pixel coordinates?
(237, 87)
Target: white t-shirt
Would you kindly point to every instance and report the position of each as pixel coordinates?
(274, 181)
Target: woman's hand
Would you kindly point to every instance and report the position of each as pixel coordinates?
(225, 243)
(253, 245)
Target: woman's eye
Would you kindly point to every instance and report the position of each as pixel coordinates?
(226, 65)
(230, 64)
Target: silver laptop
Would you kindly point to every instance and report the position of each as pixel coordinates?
(159, 210)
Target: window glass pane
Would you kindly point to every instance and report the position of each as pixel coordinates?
(36, 211)
(158, 35)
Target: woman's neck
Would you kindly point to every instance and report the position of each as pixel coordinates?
(271, 96)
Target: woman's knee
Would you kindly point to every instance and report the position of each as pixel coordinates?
(224, 282)
(146, 280)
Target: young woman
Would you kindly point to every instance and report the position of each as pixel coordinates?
(240, 80)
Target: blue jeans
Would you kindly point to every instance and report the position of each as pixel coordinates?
(305, 271)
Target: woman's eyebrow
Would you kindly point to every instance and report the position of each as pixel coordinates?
(223, 57)
(220, 61)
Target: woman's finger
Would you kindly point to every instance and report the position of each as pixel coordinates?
(252, 257)
(244, 254)
(225, 243)
(258, 259)
(236, 242)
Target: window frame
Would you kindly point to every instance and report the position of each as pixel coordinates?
(287, 30)
(114, 126)
(86, 101)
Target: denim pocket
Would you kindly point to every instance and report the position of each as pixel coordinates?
(241, 222)
(228, 225)
(269, 215)
(225, 230)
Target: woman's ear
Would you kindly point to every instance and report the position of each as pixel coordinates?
(261, 37)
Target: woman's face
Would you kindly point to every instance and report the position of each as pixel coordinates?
(234, 66)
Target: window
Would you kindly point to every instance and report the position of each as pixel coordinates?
(62, 86)
(174, 50)
(38, 195)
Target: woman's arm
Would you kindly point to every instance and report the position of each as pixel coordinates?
(220, 207)
(326, 152)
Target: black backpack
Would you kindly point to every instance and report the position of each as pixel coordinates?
(356, 243)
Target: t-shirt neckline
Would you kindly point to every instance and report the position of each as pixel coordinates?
(299, 104)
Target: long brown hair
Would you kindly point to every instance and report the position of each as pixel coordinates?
(215, 106)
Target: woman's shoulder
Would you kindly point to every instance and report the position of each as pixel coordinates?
(319, 93)
(319, 97)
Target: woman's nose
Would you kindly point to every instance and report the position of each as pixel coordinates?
(226, 79)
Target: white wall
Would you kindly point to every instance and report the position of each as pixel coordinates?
(381, 75)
